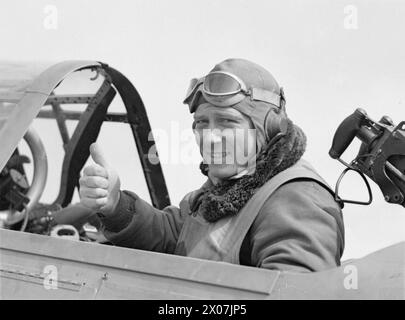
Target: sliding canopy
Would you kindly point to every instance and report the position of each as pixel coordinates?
(26, 88)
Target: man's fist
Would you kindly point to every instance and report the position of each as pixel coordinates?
(100, 184)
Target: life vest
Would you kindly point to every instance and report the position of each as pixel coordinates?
(222, 240)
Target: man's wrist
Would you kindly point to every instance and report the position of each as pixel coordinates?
(104, 213)
(120, 217)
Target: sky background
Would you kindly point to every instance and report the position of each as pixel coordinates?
(330, 56)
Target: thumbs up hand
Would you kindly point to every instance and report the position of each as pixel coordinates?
(100, 184)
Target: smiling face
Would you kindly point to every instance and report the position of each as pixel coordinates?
(226, 138)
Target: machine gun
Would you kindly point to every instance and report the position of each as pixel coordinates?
(381, 156)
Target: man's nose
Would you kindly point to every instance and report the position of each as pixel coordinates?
(213, 136)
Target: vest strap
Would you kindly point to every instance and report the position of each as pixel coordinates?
(301, 170)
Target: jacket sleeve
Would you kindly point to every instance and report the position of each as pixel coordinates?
(137, 224)
(299, 228)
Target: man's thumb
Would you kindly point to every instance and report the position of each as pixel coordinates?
(97, 155)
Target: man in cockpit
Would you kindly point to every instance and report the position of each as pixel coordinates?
(262, 204)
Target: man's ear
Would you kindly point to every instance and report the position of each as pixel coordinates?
(275, 122)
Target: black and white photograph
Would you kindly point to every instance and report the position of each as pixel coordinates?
(219, 151)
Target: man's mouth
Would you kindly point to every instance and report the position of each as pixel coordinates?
(218, 154)
(218, 158)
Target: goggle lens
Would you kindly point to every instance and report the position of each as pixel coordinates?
(221, 84)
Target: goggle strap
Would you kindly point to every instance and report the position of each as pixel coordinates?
(193, 87)
(266, 96)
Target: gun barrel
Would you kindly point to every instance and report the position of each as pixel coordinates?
(367, 135)
(394, 170)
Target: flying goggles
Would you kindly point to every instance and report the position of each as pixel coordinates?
(224, 89)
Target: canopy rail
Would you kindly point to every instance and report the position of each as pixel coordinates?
(70, 99)
(75, 115)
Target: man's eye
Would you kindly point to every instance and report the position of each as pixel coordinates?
(227, 121)
(201, 123)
